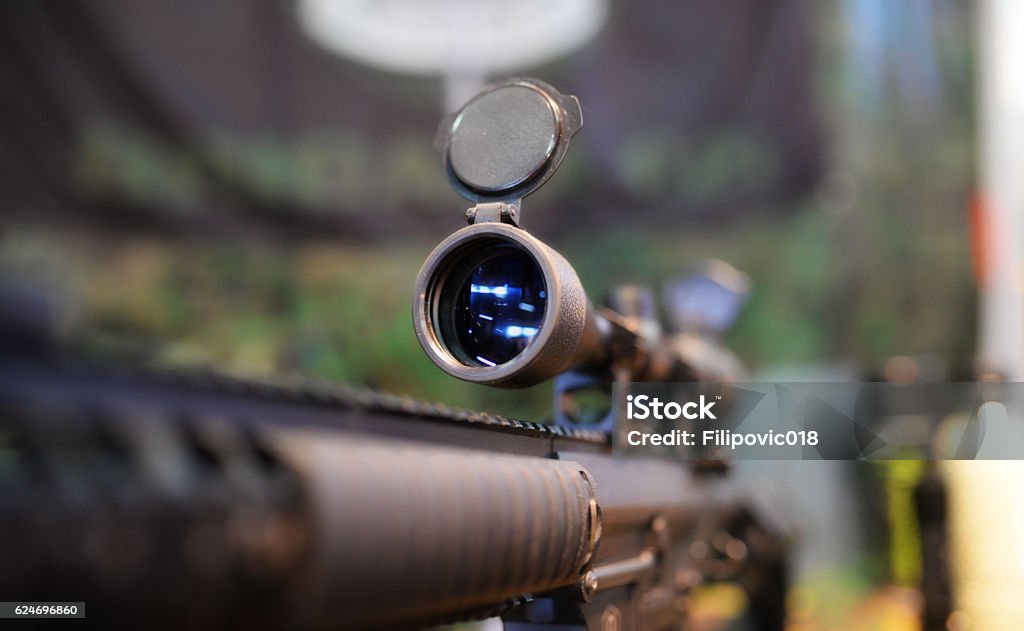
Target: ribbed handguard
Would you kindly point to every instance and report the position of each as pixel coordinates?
(402, 533)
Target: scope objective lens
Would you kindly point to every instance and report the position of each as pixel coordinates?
(499, 307)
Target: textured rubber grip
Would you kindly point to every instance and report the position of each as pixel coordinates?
(403, 532)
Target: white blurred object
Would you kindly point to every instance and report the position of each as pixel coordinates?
(987, 498)
(462, 40)
(1001, 179)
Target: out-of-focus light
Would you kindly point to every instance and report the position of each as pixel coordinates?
(709, 299)
(500, 290)
(515, 330)
(452, 36)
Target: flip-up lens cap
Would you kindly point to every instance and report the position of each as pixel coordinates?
(503, 138)
(506, 142)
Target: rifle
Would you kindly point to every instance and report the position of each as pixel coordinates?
(186, 499)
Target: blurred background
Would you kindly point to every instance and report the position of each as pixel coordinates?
(251, 187)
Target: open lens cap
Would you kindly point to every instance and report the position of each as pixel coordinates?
(508, 139)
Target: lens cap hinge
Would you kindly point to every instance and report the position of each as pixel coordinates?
(500, 212)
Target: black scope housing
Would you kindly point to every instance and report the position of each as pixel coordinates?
(494, 305)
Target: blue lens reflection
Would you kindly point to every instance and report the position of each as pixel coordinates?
(499, 308)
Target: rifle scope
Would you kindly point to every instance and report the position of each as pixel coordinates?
(493, 304)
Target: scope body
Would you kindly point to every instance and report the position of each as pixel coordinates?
(495, 305)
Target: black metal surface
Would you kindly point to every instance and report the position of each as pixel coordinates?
(200, 501)
(290, 401)
(484, 527)
(569, 333)
(269, 505)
